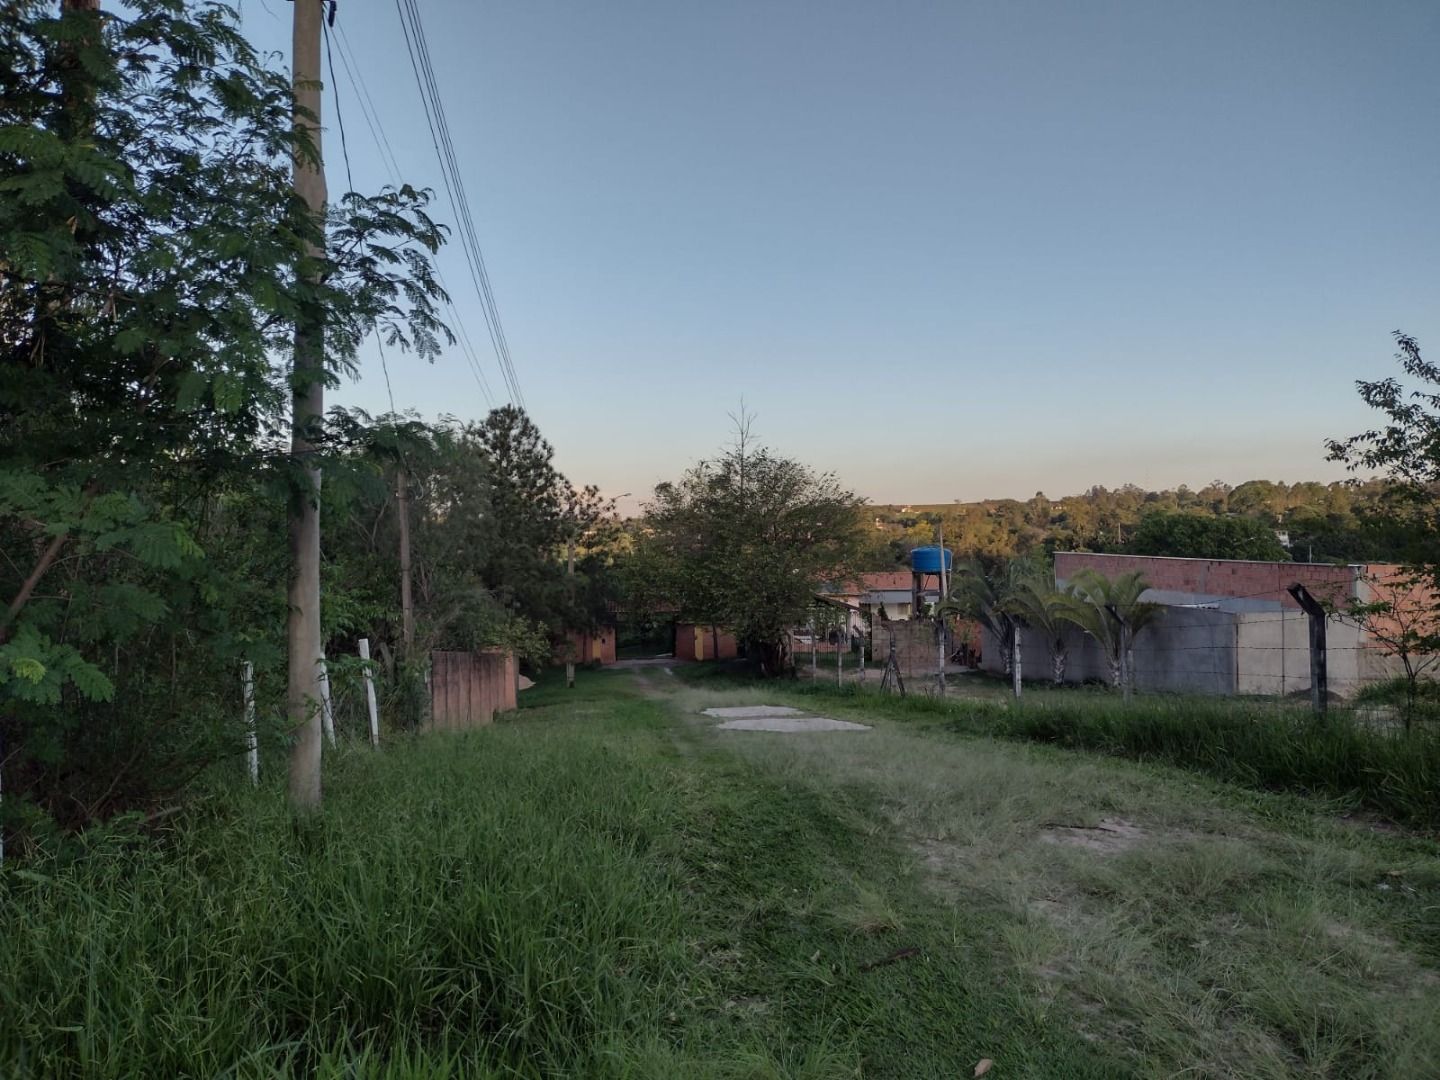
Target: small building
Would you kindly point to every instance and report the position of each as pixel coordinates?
(883, 596)
(595, 646)
(696, 642)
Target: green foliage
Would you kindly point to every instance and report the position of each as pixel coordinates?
(153, 258)
(989, 596)
(1337, 522)
(1044, 609)
(1111, 612)
(490, 517)
(1196, 536)
(1393, 773)
(746, 540)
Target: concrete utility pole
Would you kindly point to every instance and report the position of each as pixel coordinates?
(1319, 677)
(307, 390)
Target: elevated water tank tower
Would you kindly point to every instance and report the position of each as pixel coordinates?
(929, 561)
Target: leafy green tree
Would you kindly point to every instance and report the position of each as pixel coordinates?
(745, 540)
(1194, 536)
(152, 262)
(1111, 612)
(1405, 448)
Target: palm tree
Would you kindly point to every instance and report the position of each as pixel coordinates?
(1112, 613)
(985, 597)
(1038, 605)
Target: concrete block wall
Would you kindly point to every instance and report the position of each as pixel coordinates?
(1188, 650)
(1275, 654)
(917, 651)
(1208, 651)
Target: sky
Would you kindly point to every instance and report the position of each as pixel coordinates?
(947, 250)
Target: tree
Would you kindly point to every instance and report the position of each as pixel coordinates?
(745, 540)
(1038, 605)
(1112, 613)
(988, 597)
(1401, 616)
(152, 260)
(1406, 450)
(1195, 536)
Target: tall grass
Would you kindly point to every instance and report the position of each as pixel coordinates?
(1394, 773)
(488, 907)
(585, 891)
(1273, 746)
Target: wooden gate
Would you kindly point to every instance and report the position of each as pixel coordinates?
(467, 689)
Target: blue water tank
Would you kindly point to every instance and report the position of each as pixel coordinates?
(926, 560)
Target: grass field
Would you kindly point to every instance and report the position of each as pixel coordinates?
(605, 886)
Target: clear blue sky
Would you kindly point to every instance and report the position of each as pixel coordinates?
(948, 250)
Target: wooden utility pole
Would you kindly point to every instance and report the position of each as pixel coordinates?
(1319, 677)
(407, 595)
(307, 390)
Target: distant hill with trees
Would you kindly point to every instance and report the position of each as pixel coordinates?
(1336, 522)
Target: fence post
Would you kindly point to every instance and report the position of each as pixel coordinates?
(1319, 677)
(940, 632)
(370, 694)
(814, 664)
(327, 708)
(252, 741)
(841, 644)
(862, 658)
(1015, 661)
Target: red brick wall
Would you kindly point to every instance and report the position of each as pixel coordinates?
(1219, 577)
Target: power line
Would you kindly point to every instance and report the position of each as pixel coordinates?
(418, 49)
(446, 149)
(339, 116)
(367, 106)
(371, 113)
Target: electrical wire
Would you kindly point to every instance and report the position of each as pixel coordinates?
(417, 47)
(339, 116)
(376, 126)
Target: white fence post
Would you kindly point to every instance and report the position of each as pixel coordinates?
(370, 694)
(252, 741)
(1015, 662)
(327, 709)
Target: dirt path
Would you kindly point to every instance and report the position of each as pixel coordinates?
(1207, 930)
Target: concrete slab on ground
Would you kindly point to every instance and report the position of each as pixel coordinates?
(790, 724)
(742, 712)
